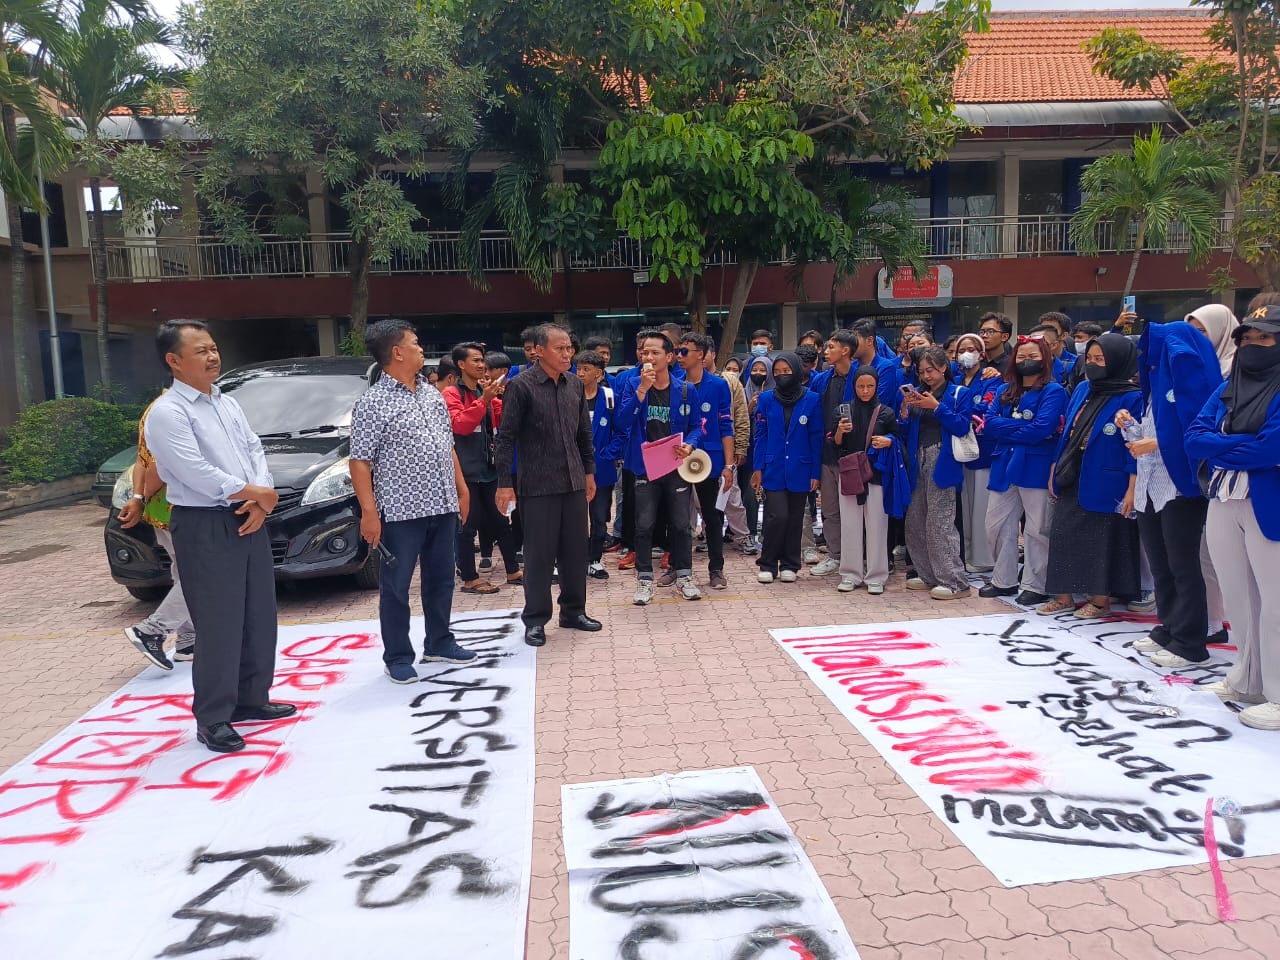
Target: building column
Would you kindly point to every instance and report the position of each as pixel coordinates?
(327, 334)
(1008, 187)
(789, 333)
(1008, 305)
(318, 218)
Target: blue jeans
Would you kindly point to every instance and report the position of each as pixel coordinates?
(428, 542)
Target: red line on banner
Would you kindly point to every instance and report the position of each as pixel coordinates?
(1226, 910)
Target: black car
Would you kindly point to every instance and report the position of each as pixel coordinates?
(301, 411)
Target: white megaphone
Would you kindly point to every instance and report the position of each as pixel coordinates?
(696, 467)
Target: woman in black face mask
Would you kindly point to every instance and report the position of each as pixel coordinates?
(1093, 546)
(1238, 436)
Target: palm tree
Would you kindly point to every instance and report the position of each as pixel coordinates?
(103, 66)
(24, 24)
(1161, 185)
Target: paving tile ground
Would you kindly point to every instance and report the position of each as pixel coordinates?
(678, 686)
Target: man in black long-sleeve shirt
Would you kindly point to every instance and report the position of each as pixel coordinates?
(544, 412)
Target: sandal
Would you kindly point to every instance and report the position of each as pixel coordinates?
(483, 587)
(1056, 605)
(1091, 611)
(517, 577)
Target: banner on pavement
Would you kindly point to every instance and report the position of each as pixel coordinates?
(698, 864)
(381, 820)
(1048, 756)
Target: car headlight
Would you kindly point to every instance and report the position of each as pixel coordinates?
(334, 483)
(123, 490)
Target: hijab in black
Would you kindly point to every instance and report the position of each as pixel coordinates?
(1250, 391)
(863, 412)
(1122, 365)
(789, 397)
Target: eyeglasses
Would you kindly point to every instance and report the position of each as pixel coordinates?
(988, 333)
(682, 351)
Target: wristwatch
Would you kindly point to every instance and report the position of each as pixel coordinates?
(138, 496)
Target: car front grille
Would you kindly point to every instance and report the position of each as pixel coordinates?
(279, 548)
(288, 499)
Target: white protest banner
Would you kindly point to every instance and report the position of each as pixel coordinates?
(381, 820)
(1049, 758)
(1117, 632)
(698, 864)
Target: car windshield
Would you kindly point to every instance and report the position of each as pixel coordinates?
(281, 403)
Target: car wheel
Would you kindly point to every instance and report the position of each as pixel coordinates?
(367, 576)
(148, 593)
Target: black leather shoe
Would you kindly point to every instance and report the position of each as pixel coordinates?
(535, 636)
(220, 738)
(267, 711)
(581, 622)
(991, 590)
(1029, 598)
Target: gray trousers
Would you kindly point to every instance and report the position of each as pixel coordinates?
(1004, 510)
(735, 513)
(932, 538)
(974, 498)
(870, 564)
(231, 593)
(832, 529)
(1245, 561)
(171, 616)
(1212, 589)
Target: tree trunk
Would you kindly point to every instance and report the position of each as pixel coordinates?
(737, 303)
(21, 286)
(1138, 243)
(697, 303)
(360, 259)
(835, 299)
(100, 283)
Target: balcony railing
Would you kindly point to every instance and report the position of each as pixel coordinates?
(324, 255)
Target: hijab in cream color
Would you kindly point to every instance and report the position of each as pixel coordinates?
(1219, 323)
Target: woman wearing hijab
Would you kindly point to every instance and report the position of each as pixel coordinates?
(1179, 372)
(976, 382)
(1219, 325)
(1093, 547)
(788, 465)
(929, 420)
(1237, 434)
(1024, 421)
(757, 377)
(870, 427)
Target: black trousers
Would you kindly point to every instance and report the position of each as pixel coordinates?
(660, 502)
(230, 587)
(783, 527)
(628, 537)
(555, 535)
(750, 503)
(484, 517)
(598, 510)
(1171, 539)
(707, 492)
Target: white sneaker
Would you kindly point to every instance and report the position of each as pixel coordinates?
(811, 556)
(875, 589)
(787, 576)
(946, 593)
(1265, 716)
(1169, 660)
(915, 583)
(688, 589)
(847, 585)
(1226, 692)
(644, 593)
(825, 568)
(764, 576)
(1147, 645)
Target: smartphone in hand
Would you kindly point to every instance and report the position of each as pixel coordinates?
(843, 411)
(1129, 304)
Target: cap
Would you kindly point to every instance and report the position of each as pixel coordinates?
(1266, 319)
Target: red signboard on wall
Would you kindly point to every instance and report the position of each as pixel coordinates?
(934, 288)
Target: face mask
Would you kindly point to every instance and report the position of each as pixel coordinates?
(1095, 371)
(760, 350)
(786, 381)
(1256, 358)
(1080, 348)
(1030, 368)
(968, 360)
(758, 379)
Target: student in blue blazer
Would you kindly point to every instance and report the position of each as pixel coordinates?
(1237, 434)
(929, 418)
(1023, 421)
(1093, 545)
(608, 442)
(977, 381)
(788, 465)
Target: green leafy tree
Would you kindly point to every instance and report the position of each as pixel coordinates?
(1159, 187)
(1226, 103)
(25, 26)
(361, 91)
(104, 64)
